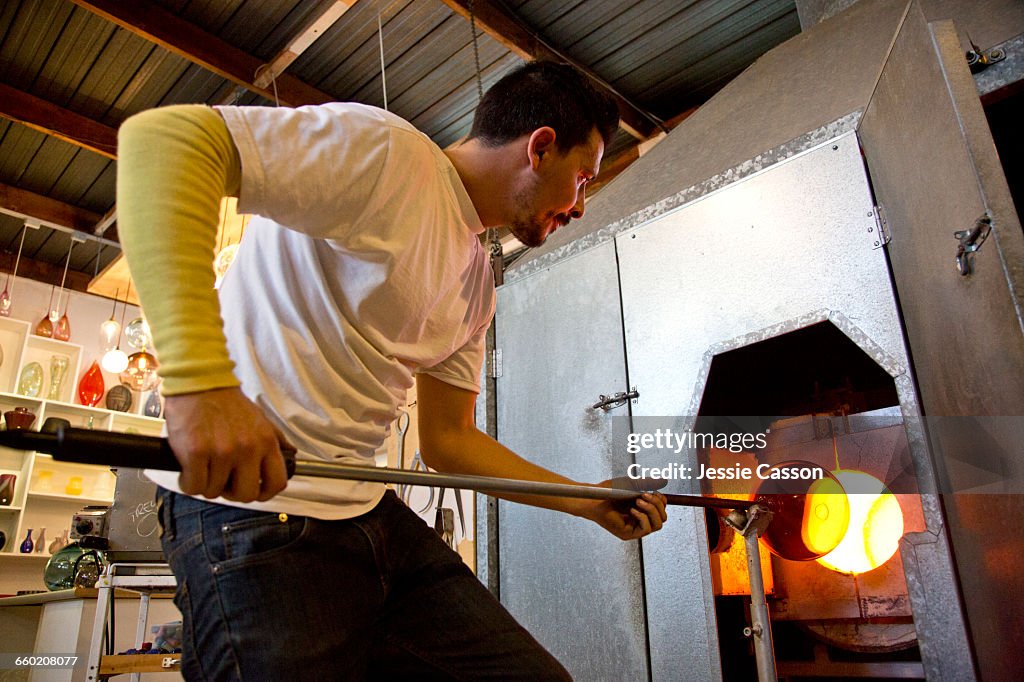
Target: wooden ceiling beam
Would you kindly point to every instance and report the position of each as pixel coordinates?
(511, 32)
(50, 119)
(154, 23)
(31, 206)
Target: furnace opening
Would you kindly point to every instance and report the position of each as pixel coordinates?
(824, 400)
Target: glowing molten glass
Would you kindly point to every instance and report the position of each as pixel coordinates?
(876, 525)
(810, 516)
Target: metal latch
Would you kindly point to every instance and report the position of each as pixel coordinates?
(971, 241)
(879, 233)
(609, 402)
(494, 364)
(978, 61)
(169, 662)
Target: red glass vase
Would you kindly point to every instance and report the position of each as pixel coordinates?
(90, 386)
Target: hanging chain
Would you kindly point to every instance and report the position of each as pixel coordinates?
(476, 50)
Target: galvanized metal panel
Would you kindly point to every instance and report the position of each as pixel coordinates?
(935, 170)
(574, 586)
(811, 81)
(744, 262)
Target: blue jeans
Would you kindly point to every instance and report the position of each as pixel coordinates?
(274, 597)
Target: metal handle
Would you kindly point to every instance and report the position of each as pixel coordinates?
(106, 448)
(608, 402)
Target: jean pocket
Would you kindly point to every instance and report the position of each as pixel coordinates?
(261, 536)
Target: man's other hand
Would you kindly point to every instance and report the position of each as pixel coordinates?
(225, 445)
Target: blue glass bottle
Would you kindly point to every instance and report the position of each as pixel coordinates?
(26, 547)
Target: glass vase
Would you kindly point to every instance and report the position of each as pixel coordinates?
(58, 372)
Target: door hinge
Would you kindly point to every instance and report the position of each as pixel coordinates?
(494, 364)
(879, 232)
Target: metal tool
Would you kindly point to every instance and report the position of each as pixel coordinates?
(150, 452)
(402, 430)
(458, 505)
(405, 490)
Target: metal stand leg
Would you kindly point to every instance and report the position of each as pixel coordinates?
(751, 525)
(99, 625)
(140, 629)
(761, 625)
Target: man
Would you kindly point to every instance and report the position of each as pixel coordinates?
(362, 272)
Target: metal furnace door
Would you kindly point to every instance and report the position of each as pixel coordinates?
(575, 587)
(935, 171)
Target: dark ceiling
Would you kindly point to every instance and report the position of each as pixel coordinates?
(71, 72)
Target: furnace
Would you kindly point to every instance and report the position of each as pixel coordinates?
(796, 259)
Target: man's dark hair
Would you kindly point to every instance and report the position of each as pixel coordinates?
(544, 93)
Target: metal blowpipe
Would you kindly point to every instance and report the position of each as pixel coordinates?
(106, 448)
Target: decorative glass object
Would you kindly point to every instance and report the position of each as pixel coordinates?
(58, 372)
(19, 418)
(31, 381)
(110, 332)
(115, 361)
(74, 486)
(5, 301)
(810, 516)
(3, 539)
(64, 568)
(7, 482)
(91, 386)
(62, 329)
(41, 540)
(153, 406)
(137, 334)
(119, 398)
(59, 543)
(27, 545)
(140, 375)
(45, 327)
(44, 481)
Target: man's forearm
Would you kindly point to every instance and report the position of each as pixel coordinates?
(174, 166)
(471, 451)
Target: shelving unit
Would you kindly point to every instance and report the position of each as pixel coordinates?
(43, 495)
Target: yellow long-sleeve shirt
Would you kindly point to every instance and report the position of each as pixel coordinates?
(175, 164)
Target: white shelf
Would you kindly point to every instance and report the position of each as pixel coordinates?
(63, 497)
(32, 507)
(18, 555)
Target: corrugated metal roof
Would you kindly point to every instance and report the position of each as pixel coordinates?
(663, 55)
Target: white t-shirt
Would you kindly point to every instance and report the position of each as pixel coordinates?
(361, 268)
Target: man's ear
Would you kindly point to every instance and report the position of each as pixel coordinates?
(541, 141)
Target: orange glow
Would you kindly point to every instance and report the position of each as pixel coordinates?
(826, 516)
(809, 517)
(876, 525)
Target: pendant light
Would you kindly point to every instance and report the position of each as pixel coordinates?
(5, 297)
(110, 330)
(115, 360)
(62, 326)
(45, 325)
(140, 371)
